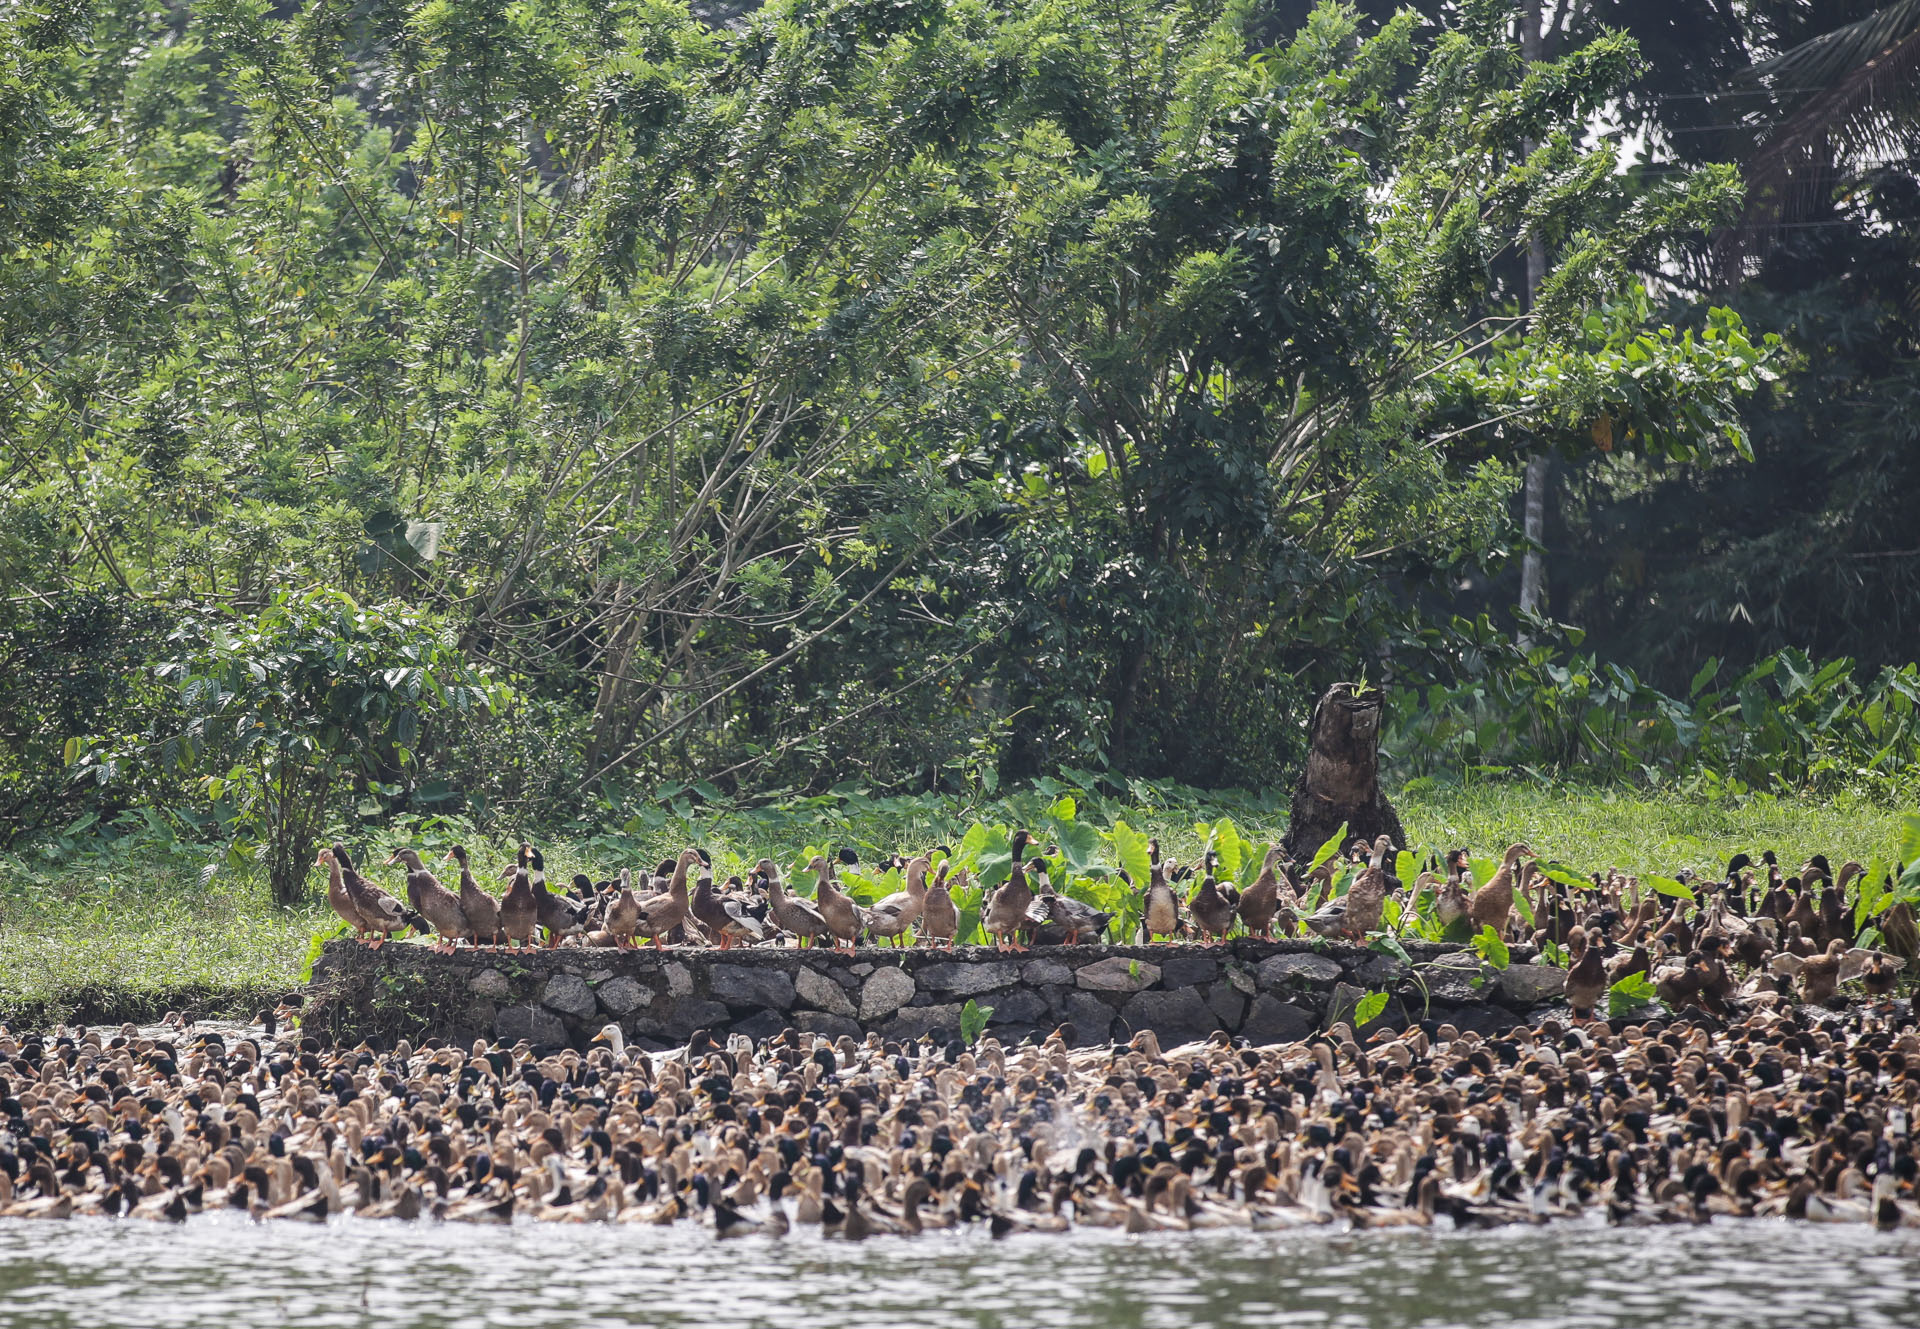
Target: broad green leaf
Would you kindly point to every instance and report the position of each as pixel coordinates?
(973, 1020)
(1368, 1009)
(1491, 948)
(1130, 847)
(1063, 808)
(1482, 870)
(1630, 994)
(1329, 849)
(1226, 842)
(1668, 886)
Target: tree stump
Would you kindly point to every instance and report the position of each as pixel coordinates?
(1341, 782)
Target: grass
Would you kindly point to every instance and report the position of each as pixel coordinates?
(127, 930)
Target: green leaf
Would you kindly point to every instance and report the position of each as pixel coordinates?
(1910, 840)
(1668, 886)
(1491, 948)
(1389, 945)
(1130, 847)
(1482, 870)
(1630, 994)
(973, 1019)
(1368, 1009)
(1063, 808)
(1329, 849)
(1226, 842)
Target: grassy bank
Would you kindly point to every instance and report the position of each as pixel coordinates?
(132, 930)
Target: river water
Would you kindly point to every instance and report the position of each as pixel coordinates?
(221, 1270)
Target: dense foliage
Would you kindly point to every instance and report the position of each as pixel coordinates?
(925, 392)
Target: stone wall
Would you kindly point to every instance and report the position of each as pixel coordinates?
(1263, 990)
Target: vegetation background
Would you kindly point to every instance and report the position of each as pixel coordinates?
(601, 418)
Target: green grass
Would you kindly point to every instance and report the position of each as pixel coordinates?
(130, 931)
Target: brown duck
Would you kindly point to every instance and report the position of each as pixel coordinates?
(893, 915)
(519, 911)
(724, 917)
(482, 910)
(842, 915)
(1160, 910)
(1490, 905)
(1212, 910)
(623, 912)
(661, 914)
(1260, 902)
(940, 916)
(1358, 912)
(434, 902)
(790, 913)
(337, 896)
(1587, 976)
(380, 912)
(1007, 911)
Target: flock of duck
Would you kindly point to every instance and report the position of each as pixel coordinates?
(1714, 944)
(1789, 1112)
(1744, 1104)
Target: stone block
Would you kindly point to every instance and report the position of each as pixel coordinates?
(816, 989)
(756, 985)
(1225, 1001)
(681, 1016)
(1300, 967)
(826, 1023)
(1271, 1020)
(622, 993)
(884, 993)
(913, 1021)
(1189, 971)
(679, 979)
(1021, 1004)
(1531, 984)
(490, 983)
(1117, 973)
(536, 1024)
(761, 1025)
(570, 995)
(1047, 973)
(964, 980)
(1181, 1016)
(1450, 978)
(1091, 1018)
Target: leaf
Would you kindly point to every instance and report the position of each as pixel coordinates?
(1063, 808)
(1130, 847)
(1389, 945)
(1482, 870)
(1368, 1009)
(1668, 886)
(1491, 948)
(1078, 842)
(1329, 849)
(973, 1020)
(1405, 867)
(1630, 994)
(1226, 842)
(1910, 840)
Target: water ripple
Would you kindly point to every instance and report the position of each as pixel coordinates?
(221, 1269)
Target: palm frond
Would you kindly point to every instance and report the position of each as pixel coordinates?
(1868, 76)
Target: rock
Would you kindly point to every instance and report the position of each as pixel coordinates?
(1487, 1021)
(1297, 967)
(679, 979)
(1242, 978)
(1188, 971)
(1091, 1018)
(1531, 984)
(1271, 1020)
(886, 992)
(740, 985)
(964, 980)
(1117, 973)
(1022, 1004)
(539, 1026)
(1450, 978)
(1341, 1005)
(681, 1016)
(1378, 971)
(1226, 1003)
(913, 1021)
(622, 993)
(816, 989)
(1046, 973)
(827, 1024)
(760, 1026)
(490, 983)
(570, 995)
(1180, 1016)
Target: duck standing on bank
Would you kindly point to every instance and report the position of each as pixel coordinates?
(434, 902)
(481, 909)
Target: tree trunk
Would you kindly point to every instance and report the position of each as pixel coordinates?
(1341, 782)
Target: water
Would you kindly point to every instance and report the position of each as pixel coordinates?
(223, 1270)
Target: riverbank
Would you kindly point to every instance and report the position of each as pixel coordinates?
(133, 931)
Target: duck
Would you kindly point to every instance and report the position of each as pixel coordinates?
(1357, 913)
(623, 912)
(379, 912)
(337, 897)
(893, 915)
(1006, 912)
(724, 917)
(940, 916)
(558, 916)
(1212, 911)
(434, 902)
(519, 912)
(1260, 903)
(482, 910)
(1490, 906)
(661, 914)
(1061, 919)
(1160, 907)
(790, 913)
(841, 914)
(1586, 983)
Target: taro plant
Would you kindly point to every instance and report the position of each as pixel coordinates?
(281, 714)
